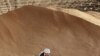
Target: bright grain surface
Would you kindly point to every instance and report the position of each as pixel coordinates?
(26, 31)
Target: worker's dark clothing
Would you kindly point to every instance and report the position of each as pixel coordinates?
(42, 54)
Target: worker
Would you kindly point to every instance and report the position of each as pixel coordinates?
(45, 52)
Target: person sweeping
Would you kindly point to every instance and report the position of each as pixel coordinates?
(45, 52)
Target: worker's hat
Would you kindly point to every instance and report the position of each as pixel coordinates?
(46, 50)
